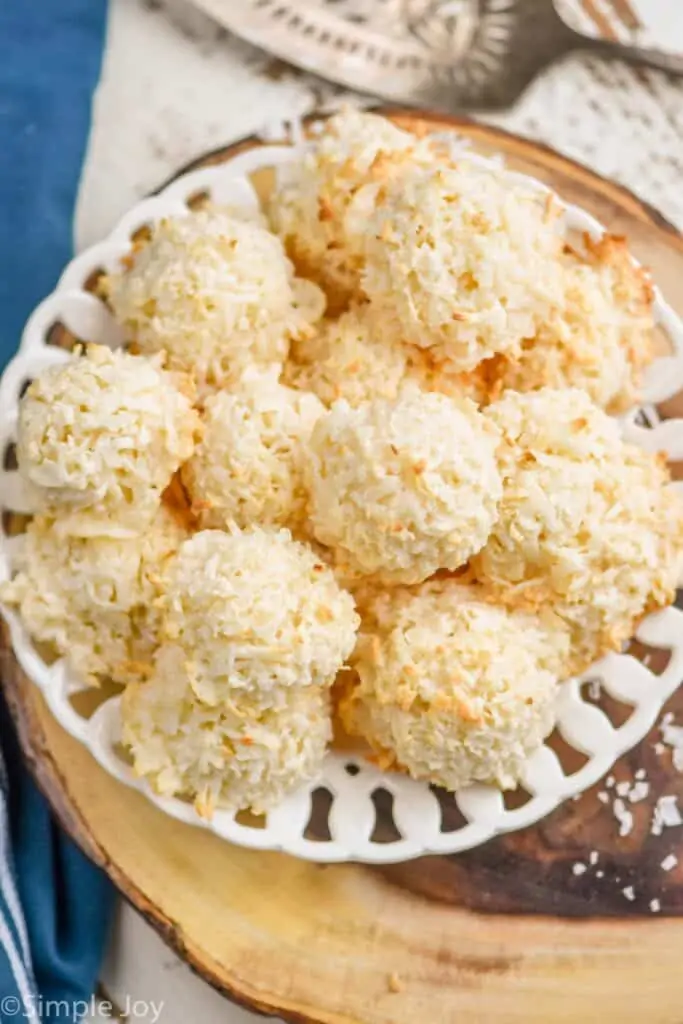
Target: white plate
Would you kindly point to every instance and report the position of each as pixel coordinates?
(357, 829)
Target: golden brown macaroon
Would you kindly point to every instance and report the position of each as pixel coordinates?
(599, 338)
(451, 688)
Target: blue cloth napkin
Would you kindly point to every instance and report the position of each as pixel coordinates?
(54, 905)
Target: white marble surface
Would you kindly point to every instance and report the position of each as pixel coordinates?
(174, 86)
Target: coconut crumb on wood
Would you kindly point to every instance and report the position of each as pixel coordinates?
(666, 815)
(394, 983)
(623, 816)
(672, 736)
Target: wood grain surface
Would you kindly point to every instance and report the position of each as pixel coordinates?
(509, 932)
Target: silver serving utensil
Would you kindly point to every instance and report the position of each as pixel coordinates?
(443, 54)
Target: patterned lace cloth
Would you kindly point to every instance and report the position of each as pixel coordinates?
(624, 122)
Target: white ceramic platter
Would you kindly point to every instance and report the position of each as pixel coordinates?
(356, 819)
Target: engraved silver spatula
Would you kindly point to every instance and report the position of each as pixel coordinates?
(443, 54)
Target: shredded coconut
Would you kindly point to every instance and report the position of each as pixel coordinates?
(256, 611)
(216, 293)
(228, 755)
(639, 791)
(93, 598)
(465, 257)
(405, 488)
(309, 205)
(358, 357)
(665, 815)
(669, 863)
(102, 436)
(431, 371)
(249, 467)
(453, 283)
(672, 735)
(586, 523)
(623, 816)
(452, 689)
(361, 356)
(599, 336)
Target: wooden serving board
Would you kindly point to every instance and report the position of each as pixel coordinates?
(508, 932)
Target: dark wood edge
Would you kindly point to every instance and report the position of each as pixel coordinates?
(43, 768)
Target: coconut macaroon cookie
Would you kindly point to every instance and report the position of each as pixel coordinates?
(256, 612)
(361, 356)
(249, 466)
(358, 356)
(222, 755)
(102, 435)
(586, 522)
(92, 598)
(453, 689)
(216, 293)
(601, 335)
(464, 256)
(400, 489)
(307, 210)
